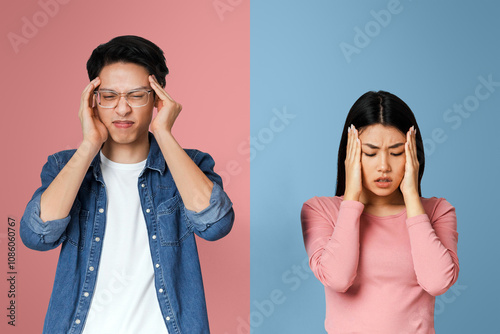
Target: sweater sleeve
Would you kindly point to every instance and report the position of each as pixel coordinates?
(332, 243)
(434, 248)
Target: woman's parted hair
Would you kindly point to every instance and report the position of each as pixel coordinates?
(378, 108)
(129, 49)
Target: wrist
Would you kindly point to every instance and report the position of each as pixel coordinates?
(88, 149)
(161, 132)
(351, 197)
(411, 195)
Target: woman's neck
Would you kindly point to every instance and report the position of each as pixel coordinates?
(368, 198)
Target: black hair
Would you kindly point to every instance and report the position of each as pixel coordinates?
(129, 49)
(378, 108)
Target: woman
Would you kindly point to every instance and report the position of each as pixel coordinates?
(381, 250)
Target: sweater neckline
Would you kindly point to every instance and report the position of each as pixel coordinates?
(385, 217)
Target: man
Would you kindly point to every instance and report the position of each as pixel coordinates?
(125, 206)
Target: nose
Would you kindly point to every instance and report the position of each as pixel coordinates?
(383, 164)
(122, 108)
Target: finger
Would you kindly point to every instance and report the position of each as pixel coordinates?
(162, 94)
(353, 142)
(413, 142)
(407, 147)
(348, 146)
(358, 148)
(412, 154)
(350, 143)
(88, 92)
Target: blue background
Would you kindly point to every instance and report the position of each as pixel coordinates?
(430, 54)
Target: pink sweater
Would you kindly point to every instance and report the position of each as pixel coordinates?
(381, 274)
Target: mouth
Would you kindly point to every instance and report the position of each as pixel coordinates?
(123, 124)
(383, 182)
(383, 179)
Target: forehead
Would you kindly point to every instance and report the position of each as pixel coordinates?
(381, 135)
(123, 76)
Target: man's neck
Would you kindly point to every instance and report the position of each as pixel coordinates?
(126, 153)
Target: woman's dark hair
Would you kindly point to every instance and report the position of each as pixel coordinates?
(129, 49)
(378, 108)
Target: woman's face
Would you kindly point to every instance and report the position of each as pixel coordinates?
(382, 159)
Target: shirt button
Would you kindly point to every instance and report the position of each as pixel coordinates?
(147, 210)
(168, 318)
(91, 268)
(157, 265)
(154, 236)
(160, 291)
(101, 210)
(86, 294)
(77, 321)
(143, 185)
(97, 239)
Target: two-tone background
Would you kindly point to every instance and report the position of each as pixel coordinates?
(265, 88)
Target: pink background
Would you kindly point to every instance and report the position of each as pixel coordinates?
(208, 56)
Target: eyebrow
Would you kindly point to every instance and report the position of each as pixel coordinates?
(376, 147)
(112, 90)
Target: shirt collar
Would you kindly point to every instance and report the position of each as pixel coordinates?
(155, 160)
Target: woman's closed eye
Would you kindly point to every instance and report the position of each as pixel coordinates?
(373, 154)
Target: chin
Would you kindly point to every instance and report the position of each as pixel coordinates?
(122, 139)
(383, 192)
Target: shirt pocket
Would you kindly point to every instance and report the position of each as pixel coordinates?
(77, 228)
(171, 225)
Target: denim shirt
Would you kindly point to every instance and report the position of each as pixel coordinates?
(170, 227)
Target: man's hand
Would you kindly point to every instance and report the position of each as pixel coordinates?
(94, 131)
(168, 109)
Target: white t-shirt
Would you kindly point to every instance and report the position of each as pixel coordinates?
(125, 299)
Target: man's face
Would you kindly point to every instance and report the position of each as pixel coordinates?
(126, 125)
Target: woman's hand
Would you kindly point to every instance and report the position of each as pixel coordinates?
(94, 131)
(409, 184)
(168, 109)
(353, 179)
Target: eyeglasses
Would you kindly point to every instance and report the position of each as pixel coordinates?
(134, 98)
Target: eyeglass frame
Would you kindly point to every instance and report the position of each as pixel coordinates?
(97, 92)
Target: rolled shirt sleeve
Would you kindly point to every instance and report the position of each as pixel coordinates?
(35, 233)
(216, 220)
(219, 206)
